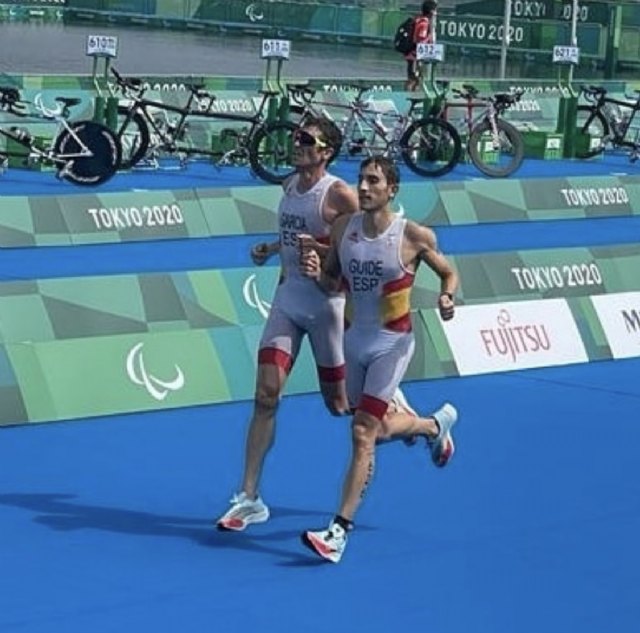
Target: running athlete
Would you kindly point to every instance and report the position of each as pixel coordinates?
(312, 201)
(375, 255)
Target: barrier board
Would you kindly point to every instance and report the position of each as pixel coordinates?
(90, 346)
(186, 213)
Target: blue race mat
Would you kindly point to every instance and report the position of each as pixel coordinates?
(532, 527)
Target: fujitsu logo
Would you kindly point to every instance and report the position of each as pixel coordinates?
(514, 340)
(252, 297)
(156, 387)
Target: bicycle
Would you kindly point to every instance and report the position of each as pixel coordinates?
(428, 146)
(606, 121)
(494, 146)
(145, 130)
(83, 152)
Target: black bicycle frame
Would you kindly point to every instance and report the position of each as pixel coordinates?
(142, 105)
(619, 132)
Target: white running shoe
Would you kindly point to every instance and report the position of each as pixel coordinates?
(442, 447)
(243, 512)
(328, 544)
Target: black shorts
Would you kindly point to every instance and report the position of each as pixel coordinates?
(413, 72)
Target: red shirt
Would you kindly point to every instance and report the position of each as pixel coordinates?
(421, 34)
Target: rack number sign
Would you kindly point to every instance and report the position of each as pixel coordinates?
(429, 52)
(566, 55)
(102, 45)
(276, 49)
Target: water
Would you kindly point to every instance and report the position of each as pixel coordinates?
(57, 48)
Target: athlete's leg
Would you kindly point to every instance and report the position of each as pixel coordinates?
(403, 425)
(279, 349)
(333, 389)
(364, 431)
(330, 543)
(270, 383)
(387, 366)
(326, 332)
(411, 82)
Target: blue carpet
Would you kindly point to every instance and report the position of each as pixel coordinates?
(533, 526)
(19, 182)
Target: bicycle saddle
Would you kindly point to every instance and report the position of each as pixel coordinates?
(594, 90)
(505, 97)
(470, 90)
(68, 102)
(299, 87)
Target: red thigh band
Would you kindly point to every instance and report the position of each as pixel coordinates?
(331, 374)
(373, 406)
(275, 356)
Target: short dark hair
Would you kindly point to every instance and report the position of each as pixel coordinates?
(329, 131)
(386, 166)
(429, 6)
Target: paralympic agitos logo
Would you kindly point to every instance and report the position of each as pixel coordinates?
(252, 296)
(158, 388)
(254, 13)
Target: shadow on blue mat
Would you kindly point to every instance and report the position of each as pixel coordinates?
(59, 512)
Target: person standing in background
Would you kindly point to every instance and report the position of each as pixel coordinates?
(422, 34)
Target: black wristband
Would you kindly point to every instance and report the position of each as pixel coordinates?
(447, 294)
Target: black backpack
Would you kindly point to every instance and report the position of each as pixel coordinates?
(403, 40)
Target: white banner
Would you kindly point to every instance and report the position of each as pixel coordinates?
(515, 335)
(619, 315)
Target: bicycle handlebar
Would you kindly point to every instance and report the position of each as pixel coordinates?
(301, 90)
(304, 92)
(127, 83)
(499, 99)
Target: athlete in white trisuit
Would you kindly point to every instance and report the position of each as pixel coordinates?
(374, 255)
(311, 203)
(300, 306)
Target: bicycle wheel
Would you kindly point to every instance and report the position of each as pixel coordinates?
(96, 168)
(271, 151)
(431, 147)
(591, 130)
(133, 134)
(496, 159)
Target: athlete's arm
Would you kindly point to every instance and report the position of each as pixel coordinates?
(327, 273)
(261, 252)
(341, 200)
(423, 247)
